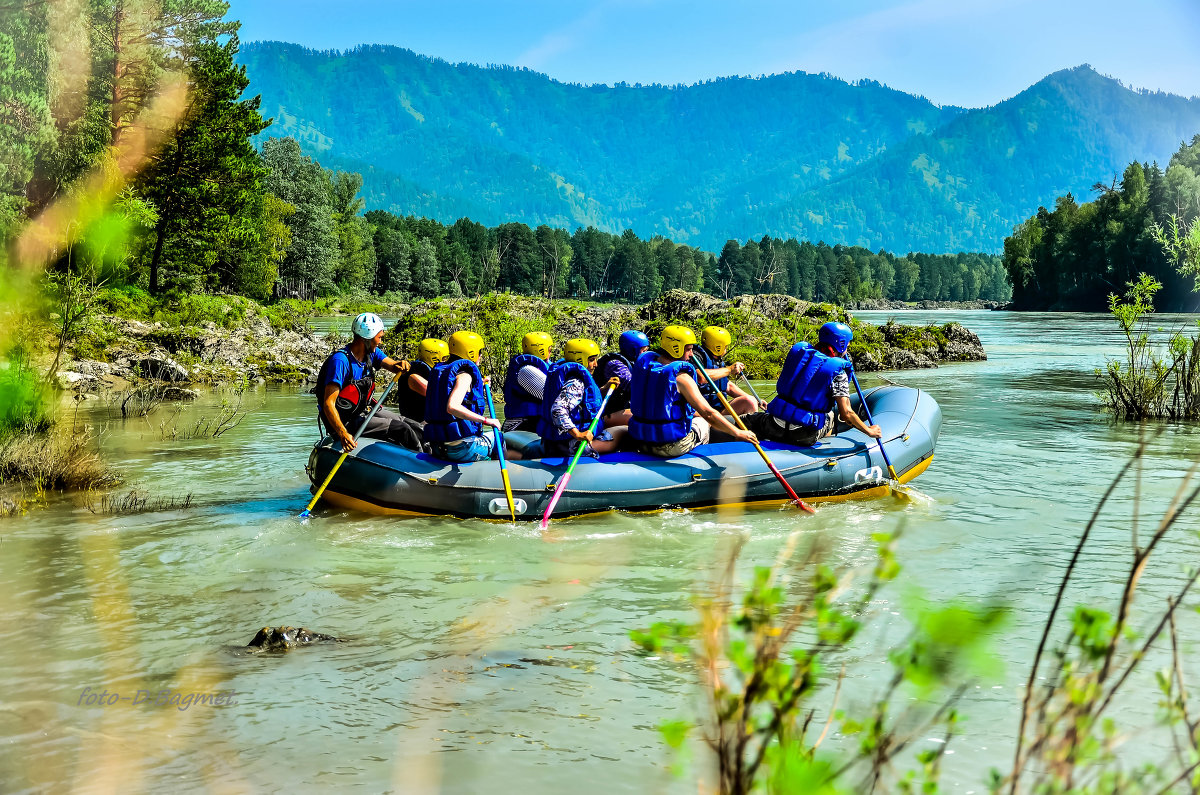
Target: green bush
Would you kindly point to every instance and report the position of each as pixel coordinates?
(23, 399)
(128, 301)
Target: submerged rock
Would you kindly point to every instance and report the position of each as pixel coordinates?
(285, 638)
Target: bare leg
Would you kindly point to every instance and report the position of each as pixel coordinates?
(743, 404)
(618, 418)
(611, 445)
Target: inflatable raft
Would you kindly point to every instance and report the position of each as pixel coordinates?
(383, 478)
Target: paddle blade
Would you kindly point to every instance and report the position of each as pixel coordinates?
(562, 486)
(512, 510)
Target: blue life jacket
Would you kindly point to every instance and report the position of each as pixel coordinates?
(660, 413)
(703, 358)
(620, 396)
(518, 402)
(440, 425)
(804, 397)
(582, 414)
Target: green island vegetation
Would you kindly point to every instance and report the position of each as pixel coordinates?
(766, 328)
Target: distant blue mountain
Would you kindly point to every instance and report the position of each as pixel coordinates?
(792, 155)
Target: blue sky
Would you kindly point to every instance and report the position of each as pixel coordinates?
(960, 52)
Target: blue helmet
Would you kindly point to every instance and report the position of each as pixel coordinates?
(837, 336)
(631, 343)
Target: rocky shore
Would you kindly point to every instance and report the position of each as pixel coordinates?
(764, 327)
(883, 304)
(140, 352)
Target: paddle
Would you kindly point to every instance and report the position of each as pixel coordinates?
(750, 386)
(307, 512)
(562, 484)
(862, 398)
(512, 509)
(787, 486)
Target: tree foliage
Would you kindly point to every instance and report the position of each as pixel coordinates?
(1076, 255)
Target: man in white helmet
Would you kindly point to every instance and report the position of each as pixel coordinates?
(345, 385)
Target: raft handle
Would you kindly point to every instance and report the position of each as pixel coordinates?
(433, 480)
(697, 476)
(831, 462)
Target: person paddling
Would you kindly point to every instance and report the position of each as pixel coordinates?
(346, 383)
(415, 382)
(572, 402)
(714, 344)
(455, 402)
(524, 381)
(670, 416)
(811, 385)
(630, 346)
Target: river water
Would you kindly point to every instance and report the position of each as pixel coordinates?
(481, 658)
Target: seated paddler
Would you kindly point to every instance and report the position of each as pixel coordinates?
(572, 401)
(714, 344)
(524, 381)
(456, 424)
(812, 384)
(346, 384)
(619, 365)
(670, 416)
(414, 383)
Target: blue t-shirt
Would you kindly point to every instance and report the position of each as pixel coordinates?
(341, 370)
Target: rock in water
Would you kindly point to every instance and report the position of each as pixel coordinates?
(161, 368)
(285, 638)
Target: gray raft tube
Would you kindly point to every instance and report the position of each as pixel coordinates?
(383, 478)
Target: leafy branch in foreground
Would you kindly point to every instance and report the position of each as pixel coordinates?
(762, 662)
(1067, 741)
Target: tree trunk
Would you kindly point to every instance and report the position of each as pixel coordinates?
(116, 109)
(160, 231)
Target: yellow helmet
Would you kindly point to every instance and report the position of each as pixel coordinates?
(537, 343)
(466, 345)
(432, 351)
(716, 340)
(674, 340)
(580, 350)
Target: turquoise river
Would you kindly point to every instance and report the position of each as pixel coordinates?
(481, 658)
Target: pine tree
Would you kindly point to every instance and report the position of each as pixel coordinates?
(208, 173)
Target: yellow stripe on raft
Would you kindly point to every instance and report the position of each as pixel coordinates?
(882, 490)
(355, 504)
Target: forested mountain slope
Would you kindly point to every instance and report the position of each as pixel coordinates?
(790, 155)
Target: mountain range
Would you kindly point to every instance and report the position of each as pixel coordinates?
(791, 155)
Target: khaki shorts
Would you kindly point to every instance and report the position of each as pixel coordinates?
(697, 436)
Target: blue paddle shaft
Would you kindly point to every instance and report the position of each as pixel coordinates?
(866, 410)
(487, 388)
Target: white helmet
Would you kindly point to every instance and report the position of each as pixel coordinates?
(367, 325)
